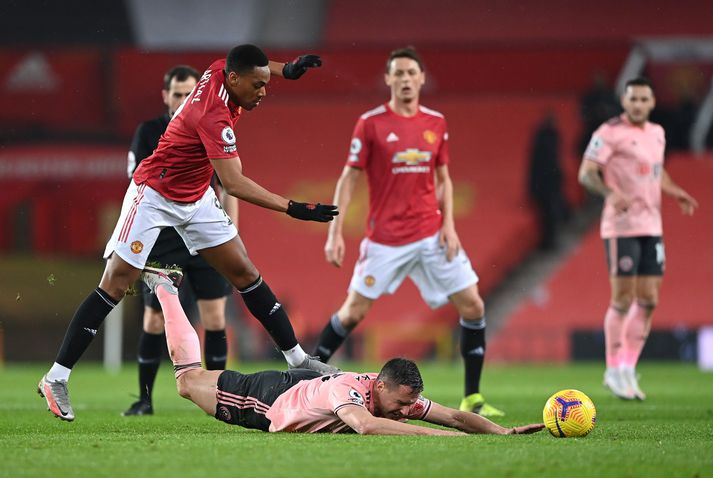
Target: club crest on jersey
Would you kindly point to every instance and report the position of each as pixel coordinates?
(369, 281)
(137, 247)
(355, 397)
(430, 136)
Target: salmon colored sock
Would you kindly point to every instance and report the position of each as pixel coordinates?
(635, 334)
(613, 337)
(184, 347)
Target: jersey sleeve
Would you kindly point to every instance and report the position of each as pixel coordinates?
(443, 157)
(346, 392)
(216, 133)
(359, 147)
(600, 147)
(419, 409)
(140, 149)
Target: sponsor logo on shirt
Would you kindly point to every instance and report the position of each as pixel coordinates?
(392, 137)
(412, 159)
(137, 247)
(430, 136)
(355, 397)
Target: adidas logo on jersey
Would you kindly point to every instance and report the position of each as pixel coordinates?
(392, 137)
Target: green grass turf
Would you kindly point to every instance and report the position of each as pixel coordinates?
(670, 434)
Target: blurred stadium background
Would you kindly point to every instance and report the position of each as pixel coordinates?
(76, 78)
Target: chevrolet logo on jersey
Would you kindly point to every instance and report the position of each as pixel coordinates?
(411, 160)
(412, 157)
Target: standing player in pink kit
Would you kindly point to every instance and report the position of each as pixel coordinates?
(403, 148)
(171, 188)
(624, 163)
(303, 401)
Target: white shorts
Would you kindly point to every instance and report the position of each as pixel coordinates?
(145, 212)
(381, 269)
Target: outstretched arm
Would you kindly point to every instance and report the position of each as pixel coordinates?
(686, 201)
(230, 172)
(473, 423)
(361, 421)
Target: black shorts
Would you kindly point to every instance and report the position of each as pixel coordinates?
(244, 399)
(635, 256)
(204, 281)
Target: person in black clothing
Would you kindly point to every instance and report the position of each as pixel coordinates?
(545, 180)
(208, 287)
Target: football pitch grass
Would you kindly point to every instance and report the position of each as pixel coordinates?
(670, 434)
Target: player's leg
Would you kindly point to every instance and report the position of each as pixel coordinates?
(380, 269)
(638, 320)
(211, 291)
(471, 311)
(623, 255)
(151, 345)
(126, 251)
(117, 278)
(212, 312)
(340, 325)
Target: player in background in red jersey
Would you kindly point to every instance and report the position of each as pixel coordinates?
(171, 188)
(624, 164)
(302, 401)
(403, 148)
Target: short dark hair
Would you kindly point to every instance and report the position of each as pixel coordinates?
(401, 371)
(180, 73)
(406, 52)
(244, 58)
(639, 81)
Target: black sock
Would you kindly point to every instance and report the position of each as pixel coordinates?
(215, 350)
(472, 349)
(84, 325)
(331, 338)
(150, 348)
(263, 304)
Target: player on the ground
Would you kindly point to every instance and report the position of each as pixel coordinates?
(624, 164)
(403, 148)
(303, 400)
(208, 287)
(171, 188)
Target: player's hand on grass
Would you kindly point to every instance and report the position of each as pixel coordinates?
(687, 203)
(526, 429)
(334, 249)
(298, 67)
(312, 212)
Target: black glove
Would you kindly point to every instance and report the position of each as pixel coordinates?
(312, 212)
(299, 65)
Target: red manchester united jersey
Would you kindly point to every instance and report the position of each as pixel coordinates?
(399, 155)
(200, 130)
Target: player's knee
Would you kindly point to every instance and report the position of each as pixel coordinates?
(473, 309)
(648, 304)
(622, 302)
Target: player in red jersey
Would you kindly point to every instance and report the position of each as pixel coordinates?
(171, 189)
(624, 164)
(303, 401)
(403, 148)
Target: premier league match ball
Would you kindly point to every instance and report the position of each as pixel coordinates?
(569, 413)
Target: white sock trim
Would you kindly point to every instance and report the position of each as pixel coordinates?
(58, 372)
(295, 356)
